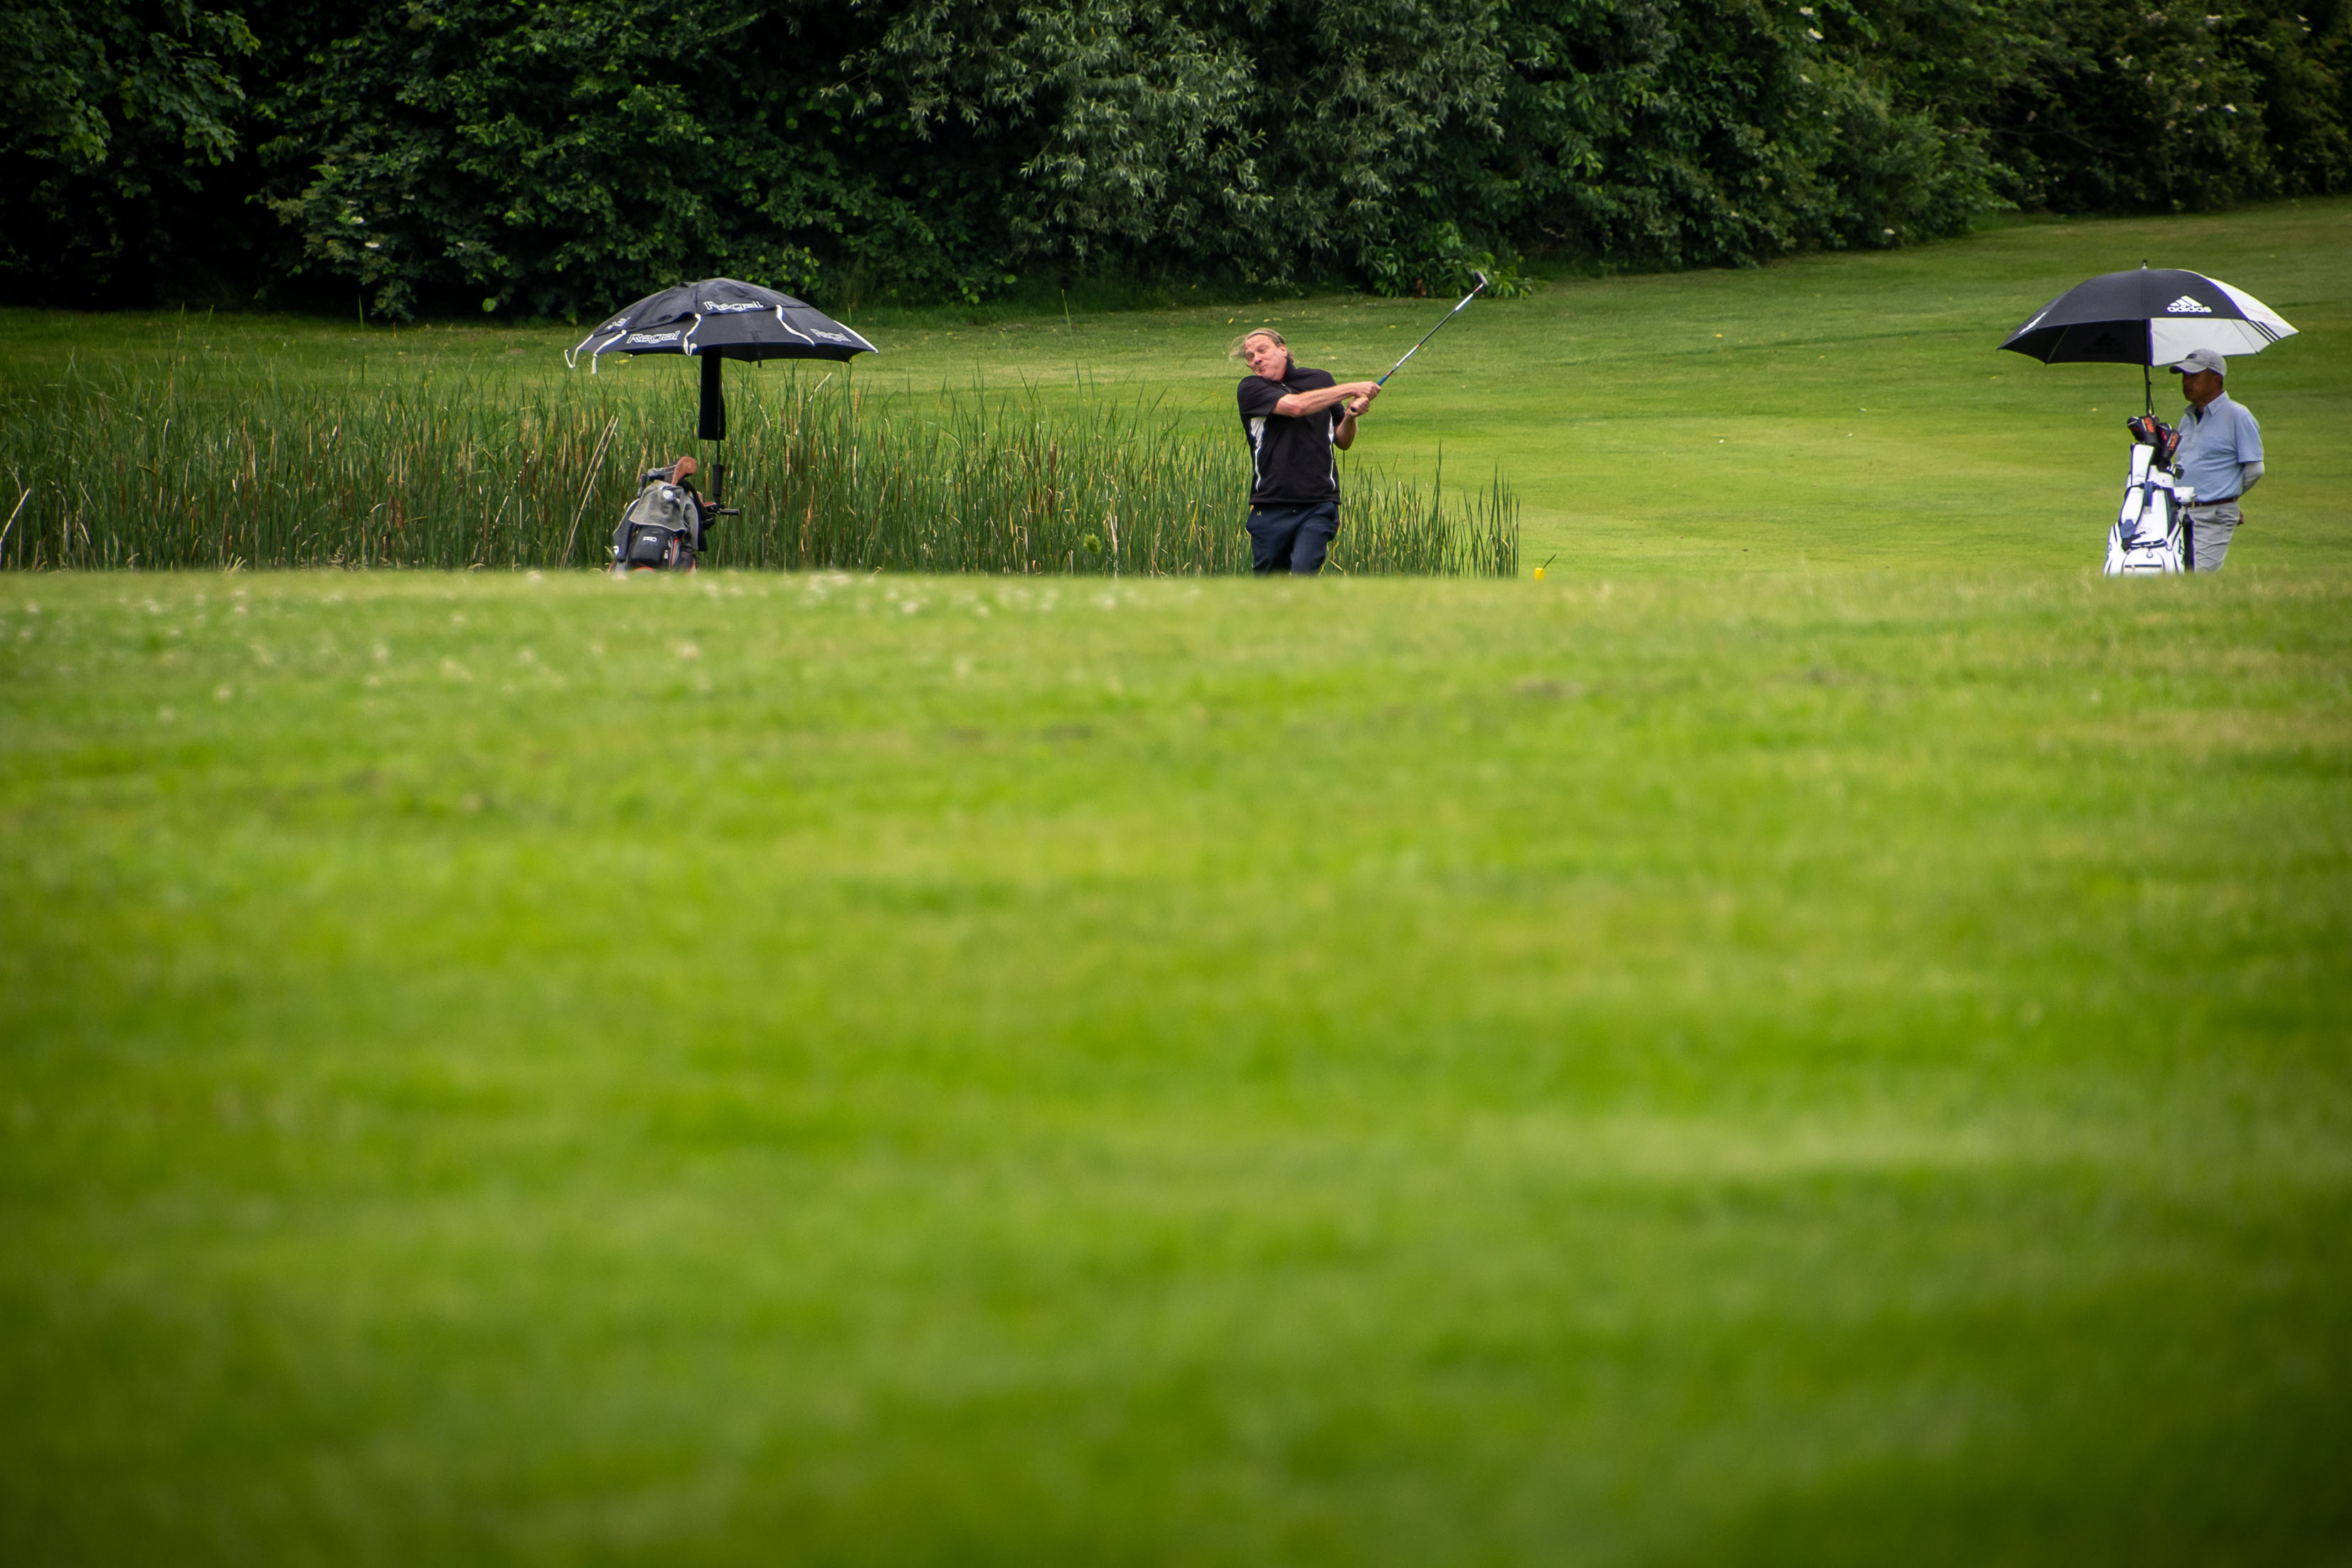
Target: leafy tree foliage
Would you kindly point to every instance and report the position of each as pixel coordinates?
(1721, 131)
(559, 158)
(117, 113)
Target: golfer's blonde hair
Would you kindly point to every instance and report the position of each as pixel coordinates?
(1235, 351)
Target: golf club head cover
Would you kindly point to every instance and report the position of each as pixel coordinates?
(2150, 431)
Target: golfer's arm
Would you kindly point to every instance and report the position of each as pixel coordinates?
(1346, 434)
(2249, 476)
(1294, 404)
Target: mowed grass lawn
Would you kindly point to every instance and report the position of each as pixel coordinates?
(1846, 1068)
(1677, 1063)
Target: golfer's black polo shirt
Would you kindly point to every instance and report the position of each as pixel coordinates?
(1292, 460)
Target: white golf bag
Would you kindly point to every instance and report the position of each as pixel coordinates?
(2151, 533)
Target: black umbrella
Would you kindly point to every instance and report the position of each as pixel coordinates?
(2150, 317)
(720, 319)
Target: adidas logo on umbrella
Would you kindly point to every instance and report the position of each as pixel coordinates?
(2185, 306)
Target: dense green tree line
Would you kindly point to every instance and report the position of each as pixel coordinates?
(518, 156)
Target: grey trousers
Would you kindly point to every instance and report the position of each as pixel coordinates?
(2211, 527)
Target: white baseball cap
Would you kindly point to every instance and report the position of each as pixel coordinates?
(2200, 360)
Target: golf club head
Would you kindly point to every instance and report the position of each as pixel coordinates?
(1481, 281)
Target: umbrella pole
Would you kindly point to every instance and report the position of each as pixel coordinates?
(714, 400)
(2147, 361)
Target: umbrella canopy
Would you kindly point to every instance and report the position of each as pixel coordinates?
(721, 319)
(2150, 317)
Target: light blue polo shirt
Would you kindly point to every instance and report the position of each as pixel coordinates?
(2214, 444)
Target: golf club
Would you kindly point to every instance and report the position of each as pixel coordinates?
(1425, 337)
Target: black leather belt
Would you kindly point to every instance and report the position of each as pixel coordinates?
(2224, 501)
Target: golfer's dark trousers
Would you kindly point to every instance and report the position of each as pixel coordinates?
(1292, 539)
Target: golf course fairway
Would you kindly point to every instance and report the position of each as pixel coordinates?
(1833, 1059)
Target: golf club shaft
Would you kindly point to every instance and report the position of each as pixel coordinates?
(1425, 337)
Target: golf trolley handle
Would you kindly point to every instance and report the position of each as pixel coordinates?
(1449, 316)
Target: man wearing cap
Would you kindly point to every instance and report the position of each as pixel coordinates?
(2220, 456)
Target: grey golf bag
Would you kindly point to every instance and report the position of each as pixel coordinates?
(2151, 536)
(663, 529)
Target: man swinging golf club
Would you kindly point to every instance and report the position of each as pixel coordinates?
(1296, 418)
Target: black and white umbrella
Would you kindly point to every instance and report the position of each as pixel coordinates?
(721, 319)
(2153, 316)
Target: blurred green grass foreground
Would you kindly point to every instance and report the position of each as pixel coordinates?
(1791, 1068)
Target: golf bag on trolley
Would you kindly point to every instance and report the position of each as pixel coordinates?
(2151, 536)
(664, 529)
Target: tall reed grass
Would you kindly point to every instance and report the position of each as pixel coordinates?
(201, 466)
